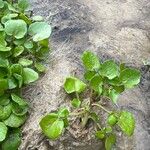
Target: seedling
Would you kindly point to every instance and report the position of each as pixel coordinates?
(23, 47)
(103, 83)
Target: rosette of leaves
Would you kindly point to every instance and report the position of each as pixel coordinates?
(103, 81)
(23, 48)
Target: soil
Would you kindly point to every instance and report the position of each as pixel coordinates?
(118, 29)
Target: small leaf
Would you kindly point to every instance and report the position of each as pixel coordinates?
(113, 94)
(4, 100)
(15, 121)
(18, 51)
(18, 100)
(5, 111)
(29, 75)
(76, 103)
(16, 68)
(130, 77)
(1, 4)
(63, 112)
(100, 134)
(90, 61)
(96, 83)
(17, 28)
(110, 141)
(28, 44)
(12, 83)
(73, 84)
(3, 131)
(40, 67)
(112, 119)
(39, 31)
(19, 78)
(25, 62)
(126, 122)
(89, 75)
(23, 4)
(3, 84)
(109, 69)
(4, 63)
(13, 140)
(56, 129)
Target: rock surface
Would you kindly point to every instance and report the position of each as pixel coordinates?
(118, 29)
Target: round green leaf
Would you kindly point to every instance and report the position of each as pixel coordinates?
(17, 28)
(25, 62)
(23, 5)
(89, 75)
(109, 69)
(39, 31)
(90, 61)
(126, 122)
(13, 140)
(2, 3)
(73, 84)
(40, 67)
(5, 111)
(100, 134)
(15, 121)
(3, 131)
(112, 120)
(130, 77)
(29, 75)
(110, 141)
(18, 51)
(28, 44)
(4, 100)
(76, 103)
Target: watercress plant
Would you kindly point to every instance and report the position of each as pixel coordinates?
(104, 82)
(23, 47)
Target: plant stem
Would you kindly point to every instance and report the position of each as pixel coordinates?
(77, 114)
(100, 106)
(77, 95)
(85, 119)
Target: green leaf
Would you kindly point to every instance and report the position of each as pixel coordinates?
(19, 78)
(29, 75)
(28, 44)
(96, 83)
(4, 62)
(63, 113)
(56, 129)
(17, 28)
(8, 17)
(4, 100)
(3, 84)
(126, 122)
(15, 121)
(109, 69)
(73, 84)
(12, 83)
(3, 131)
(25, 62)
(100, 134)
(18, 100)
(18, 51)
(16, 68)
(113, 94)
(76, 103)
(130, 77)
(2, 4)
(110, 141)
(90, 61)
(40, 67)
(112, 119)
(19, 110)
(13, 140)
(39, 31)
(89, 75)
(23, 5)
(5, 111)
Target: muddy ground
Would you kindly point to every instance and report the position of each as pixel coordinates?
(118, 29)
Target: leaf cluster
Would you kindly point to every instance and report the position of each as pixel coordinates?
(23, 47)
(103, 81)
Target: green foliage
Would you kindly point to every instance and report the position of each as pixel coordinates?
(103, 81)
(23, 47)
